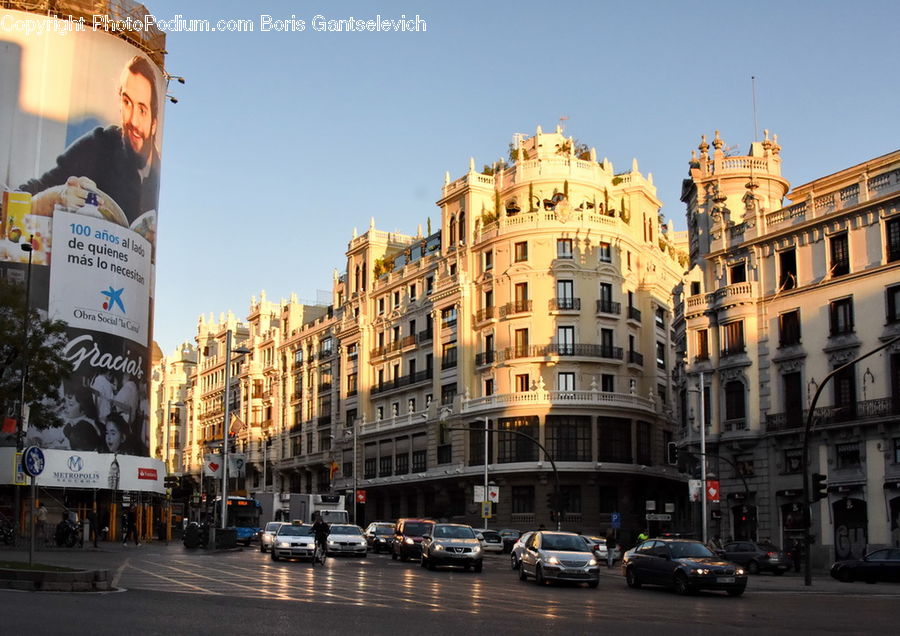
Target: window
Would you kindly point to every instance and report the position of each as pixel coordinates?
(522, 383)
(476, 444)
(564, 248)
(396, 299)
(893, 304)
(350, 417)
(614, 439)
(844, 395)
(605, 253)
(607, 382)
(702, 344)
(793, 460)
(606, 301)
(571, 498)
(661, 355)
(351, 384)
(412, 291)
(847, 455)
(395, 333)
(897, 450)
(840, 256)
(793, 399)
(453, 269)
(523, 500)
(515, 448)
(787, 275)
(644, 444)
(381, 305)
(733, 338)
(448, 359)
(488, 260)
(565, 381)
(662, 394)
(841, 312)
(489, 386)
(892, 234)
(298, 356)
(352, 350)
(789, 328)
(565, 294)
(402, 464)
(429, 285)
(521, 297)
(734, 400)
(488, 298)
(738, 273)
(660, 318)
(744, 466)
(520, 252)
(448, 316)
(521, 343)
(448, 393)
(695, 288)
(565, 340)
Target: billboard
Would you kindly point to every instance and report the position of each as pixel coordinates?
(81, 120)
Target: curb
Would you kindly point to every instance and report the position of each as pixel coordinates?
(51, 581)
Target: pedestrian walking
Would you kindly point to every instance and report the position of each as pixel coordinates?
(643, 536)
(610, 548)
(796, 554)
(131, 529)
(41, 522)
(94, 526)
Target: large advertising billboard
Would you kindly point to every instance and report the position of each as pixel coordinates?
(81, 120)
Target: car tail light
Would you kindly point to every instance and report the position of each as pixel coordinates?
(772, 555)
(597, 547)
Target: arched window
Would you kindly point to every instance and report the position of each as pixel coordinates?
(452, 240)
(356, 280)
(462, 228)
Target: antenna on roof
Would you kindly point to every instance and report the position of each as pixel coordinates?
(755, 125)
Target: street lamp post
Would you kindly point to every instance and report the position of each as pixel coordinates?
(703, 455)
(227, 423)
(23, 409)
(486, 456)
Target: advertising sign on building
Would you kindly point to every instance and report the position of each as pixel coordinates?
(81, 120)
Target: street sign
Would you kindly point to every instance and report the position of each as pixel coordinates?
(486, 510)
(33, 461)
(20, 477)
(478, 494)
(361, 496)
(616, 520)
(712, 491)
(494, 494)
(658, 517)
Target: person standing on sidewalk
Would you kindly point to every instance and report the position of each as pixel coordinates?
(131, 527)
(41, 522)
(610, 548)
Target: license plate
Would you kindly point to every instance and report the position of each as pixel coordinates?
(725, 579)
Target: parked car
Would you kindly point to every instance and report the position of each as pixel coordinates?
(509, 537)
(490, 541)
(758, 557)
(558, 556)
(267, 534)
(408, 535)
(597, 545)
(293, 541)
(880, 565)
(684, 565)
(515, 555)
(379, 536)
(452, 544)
(347, 539)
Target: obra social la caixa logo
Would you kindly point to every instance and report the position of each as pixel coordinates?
(113, 299)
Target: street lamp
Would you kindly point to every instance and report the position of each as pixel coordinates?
(486, 495)
(227, 422)
(23, 410)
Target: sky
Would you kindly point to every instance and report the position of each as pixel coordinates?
(282, 142)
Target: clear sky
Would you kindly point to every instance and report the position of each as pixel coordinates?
(282, 142)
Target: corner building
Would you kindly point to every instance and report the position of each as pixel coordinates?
(778, 297)
(541, 305)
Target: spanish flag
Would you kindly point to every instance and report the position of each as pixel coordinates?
(332, 470)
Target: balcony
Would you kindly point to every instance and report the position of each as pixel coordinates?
(482, 359)
(829, 415)
(634, 314)
(612, 401)
(517, 307)
(402, 381)
(408, 341)
(609, 307)
(733, 351)
(565, 304)
(425, 336)
(488, 313)
(635, 358)
(325, 386)
(578, 350)
(449, 360)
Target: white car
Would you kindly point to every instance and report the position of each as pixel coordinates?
(559, 556)
(293, 541)
(268, 534)
(597, 545)
(490, 541)
(347, 539)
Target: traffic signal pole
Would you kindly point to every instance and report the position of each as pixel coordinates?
(807, 496)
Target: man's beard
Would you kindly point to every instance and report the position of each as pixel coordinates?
(140, 157)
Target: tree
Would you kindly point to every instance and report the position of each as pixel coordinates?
(47, 364)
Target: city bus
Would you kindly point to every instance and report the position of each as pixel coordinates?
(243, 516)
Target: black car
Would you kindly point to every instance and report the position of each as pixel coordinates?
(407, 543)
(684, 565)
(758, 557)
(880, 565)
(380, 536)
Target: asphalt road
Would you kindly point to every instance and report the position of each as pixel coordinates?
(170, 590)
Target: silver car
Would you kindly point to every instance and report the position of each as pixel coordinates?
(347, 539)
(452, 544)
(515, 555)
(293, 541)
(558, 556)
(267, 534)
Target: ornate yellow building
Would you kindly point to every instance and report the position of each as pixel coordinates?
(777, 298)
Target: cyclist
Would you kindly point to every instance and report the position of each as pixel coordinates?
(321, 531)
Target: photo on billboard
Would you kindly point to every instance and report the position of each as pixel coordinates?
(81, 116)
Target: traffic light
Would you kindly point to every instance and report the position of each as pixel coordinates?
(819, 486)
(671, 454)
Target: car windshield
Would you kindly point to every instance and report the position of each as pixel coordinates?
(272, 526)
(689, 550)
(490, 535)
(382, 531)
(563, 543)
(294, 531)
(509, 533)
(417, 529)
(335, 529)
(453, 532)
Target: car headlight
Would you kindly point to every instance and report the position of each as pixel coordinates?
(477, 548)
(553, 560)
(408, 541)
(739, 571)
(283, 544)
(700, 571)
(592, 562)
(330, 542)
(438, 546)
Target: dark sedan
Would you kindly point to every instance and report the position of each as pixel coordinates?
(684, 565)
(880, 565)
(758, 557)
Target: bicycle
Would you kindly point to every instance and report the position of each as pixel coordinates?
(318, 554)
